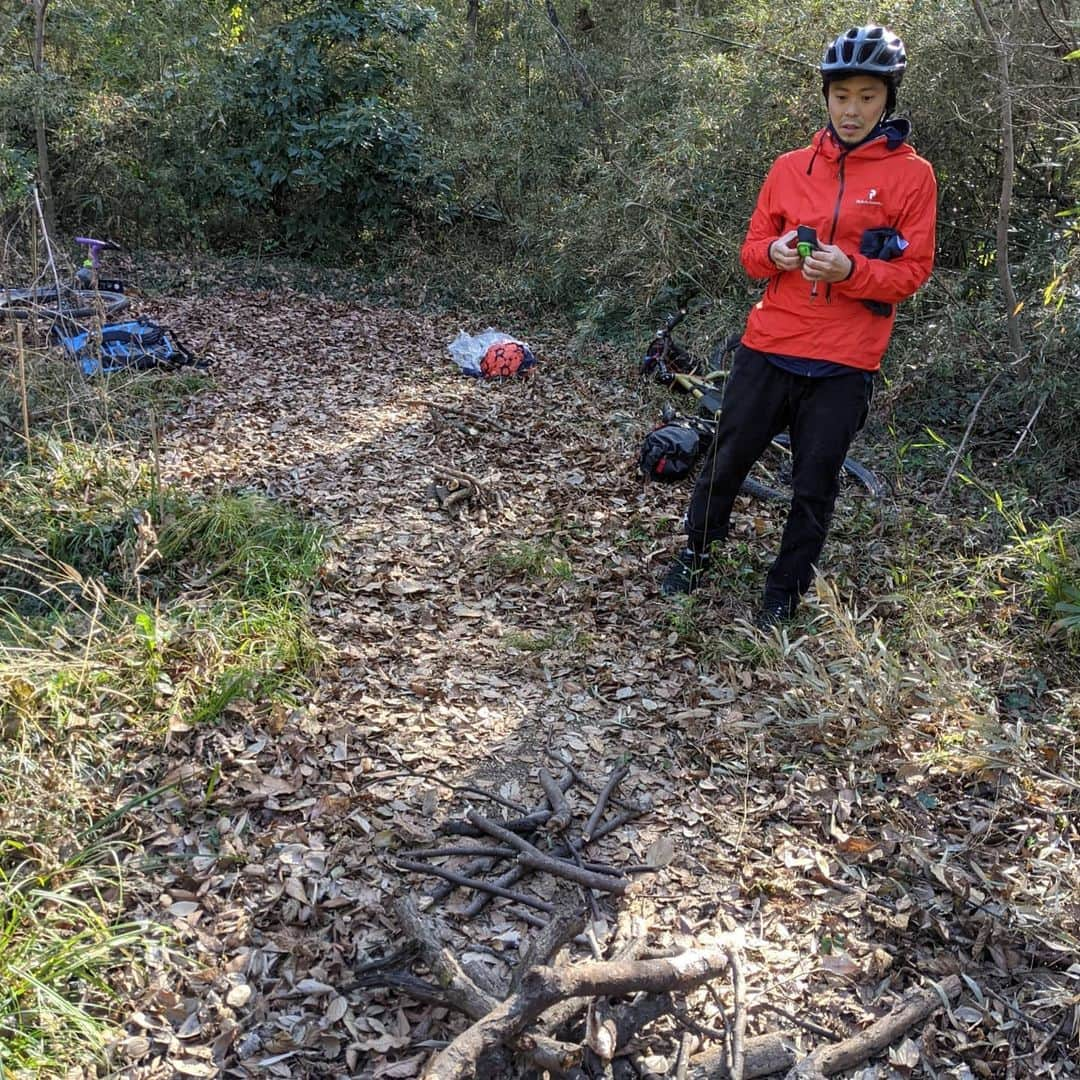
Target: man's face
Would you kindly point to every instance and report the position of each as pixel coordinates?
(856, 104)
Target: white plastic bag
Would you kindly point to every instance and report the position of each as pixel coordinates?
(467, 350)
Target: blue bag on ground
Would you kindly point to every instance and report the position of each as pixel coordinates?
(140, 344)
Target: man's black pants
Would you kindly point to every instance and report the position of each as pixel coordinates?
(823, 415)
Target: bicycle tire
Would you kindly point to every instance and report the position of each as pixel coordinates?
(756, 490)
(58, 305)
(855, 469)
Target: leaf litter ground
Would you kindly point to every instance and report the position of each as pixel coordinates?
(853, 798)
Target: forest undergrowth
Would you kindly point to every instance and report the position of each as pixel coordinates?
(243, 656)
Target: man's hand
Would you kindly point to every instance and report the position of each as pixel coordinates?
(782, 252)
(826, 263)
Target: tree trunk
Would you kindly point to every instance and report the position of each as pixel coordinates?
(577, 68)
(1008, 164)
(472, 14)
(44, 169)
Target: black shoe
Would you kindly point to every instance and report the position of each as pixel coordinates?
(684, 574)
(775, 611)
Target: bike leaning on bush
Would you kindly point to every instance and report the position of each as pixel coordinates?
(671, 452)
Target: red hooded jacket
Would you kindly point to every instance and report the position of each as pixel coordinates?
(841, 193)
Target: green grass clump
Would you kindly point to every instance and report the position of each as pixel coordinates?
(127, 610)
(58, 946)
(258, 545)
(532, 559)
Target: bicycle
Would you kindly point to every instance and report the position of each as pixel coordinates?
(88, 298)
(672, 365)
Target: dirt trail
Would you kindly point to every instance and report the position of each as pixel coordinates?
(465, 648)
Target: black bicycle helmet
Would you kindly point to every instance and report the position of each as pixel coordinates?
(866, 50)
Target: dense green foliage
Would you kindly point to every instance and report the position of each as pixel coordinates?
(598, 169)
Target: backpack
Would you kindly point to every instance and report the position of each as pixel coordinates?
(141, 344)
(506, 358)
(670, 452)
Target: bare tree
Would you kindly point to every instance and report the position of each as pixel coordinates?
(37, 57)
(1000, 45)
(472, 15)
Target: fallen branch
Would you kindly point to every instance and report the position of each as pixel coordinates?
(580, 778)
(602, 800)
(459, 986)
(766, 1055)
(913, 1008)
(534, 857)
(543, 987)
(560, 808)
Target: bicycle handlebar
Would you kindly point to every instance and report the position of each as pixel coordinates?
(671, 322)
(94, 248)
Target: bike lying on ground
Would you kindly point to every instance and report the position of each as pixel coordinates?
(89, 297)
(672, 451)
(81, 319)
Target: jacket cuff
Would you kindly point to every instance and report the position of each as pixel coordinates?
(854, 260)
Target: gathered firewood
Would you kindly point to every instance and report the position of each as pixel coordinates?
(913, 1008)
(532, 856)
(543, 987)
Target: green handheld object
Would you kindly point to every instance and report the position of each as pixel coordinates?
(804, 249)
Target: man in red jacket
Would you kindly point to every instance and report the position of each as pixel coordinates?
(814, 340)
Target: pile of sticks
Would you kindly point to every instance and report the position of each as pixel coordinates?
(452, 490)
(519, 840)
(582, 1020)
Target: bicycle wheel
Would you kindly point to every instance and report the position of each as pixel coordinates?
(855, 469)
(757, 490)
(60, 304)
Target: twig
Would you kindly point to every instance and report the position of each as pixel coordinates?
(744, 45)
(527, 824)
(23, 392)
(475, 883)
(738, 1028)
(560, 808)
(602, 800)
(476, 866)
(534, 857)
(963, 442)
(1030, 424)
(806, 1025)
(442, 852)
(404, 983)
(481, 900)
(1053, 29)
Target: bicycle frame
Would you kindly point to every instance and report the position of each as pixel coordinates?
(706, 389)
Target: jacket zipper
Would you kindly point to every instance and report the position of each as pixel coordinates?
(836, 215)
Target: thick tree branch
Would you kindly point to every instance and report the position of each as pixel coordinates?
(543, 987)
(912, 1009)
